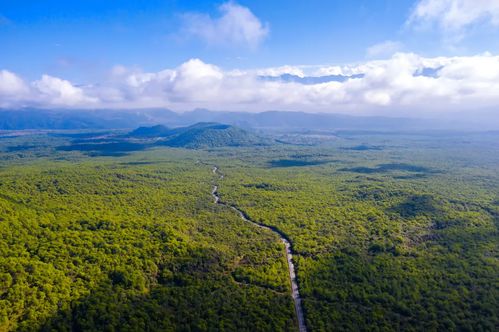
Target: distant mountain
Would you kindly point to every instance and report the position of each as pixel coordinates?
(209, 135)
(42, 119)
(285, 120)
(270, 120)
(308, 80)
(124, 119)
(31, 118)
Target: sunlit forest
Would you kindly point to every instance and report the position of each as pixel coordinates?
(399, 233)
(249, 166)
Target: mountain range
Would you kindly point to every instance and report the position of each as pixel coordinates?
(42, 119)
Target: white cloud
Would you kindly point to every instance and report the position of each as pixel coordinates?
(455, 16)
(237, 26)
(405, 82)
(384, 49)
(196, 80)
(277, 71)
(56, 91)
(479, 68)
(329, 70)
(458, 83)
(12, 89)
(11, 84)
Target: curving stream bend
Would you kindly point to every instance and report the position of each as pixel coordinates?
(289, 253)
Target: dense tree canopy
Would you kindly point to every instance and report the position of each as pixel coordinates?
(401, 237)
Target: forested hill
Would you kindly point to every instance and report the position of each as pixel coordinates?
(154, 131)
(198, 136)
(203, 135)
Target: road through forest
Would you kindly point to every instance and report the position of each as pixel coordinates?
(289, 253)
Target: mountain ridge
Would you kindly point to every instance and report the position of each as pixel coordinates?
(59, 119)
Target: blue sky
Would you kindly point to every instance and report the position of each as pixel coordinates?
(82, 38)
(90, 43)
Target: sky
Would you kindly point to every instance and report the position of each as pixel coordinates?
(389, 57)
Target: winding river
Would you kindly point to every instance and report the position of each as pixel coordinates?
(289, 253)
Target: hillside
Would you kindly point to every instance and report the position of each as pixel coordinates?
(209, 135)
(198, 136)
(154, 131)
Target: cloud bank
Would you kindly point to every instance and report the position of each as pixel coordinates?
(406, 82)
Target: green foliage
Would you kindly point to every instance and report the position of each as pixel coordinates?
(212, 135)
(383, 250)
(132, 244)
(400, 237)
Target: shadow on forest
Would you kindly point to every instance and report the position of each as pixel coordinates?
(139, 163)
(191, 293)
(79, 135)
(386, 168)
(18, 148)
(383, 289)
(357, 291)
(295, 163)
(417, 205)
(106, 154)
(364, 147)
(112, 149)
(414, 176)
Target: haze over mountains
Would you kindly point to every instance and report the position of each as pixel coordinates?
(43, 119)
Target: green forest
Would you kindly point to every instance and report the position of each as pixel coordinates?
(389, 233)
